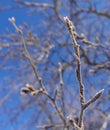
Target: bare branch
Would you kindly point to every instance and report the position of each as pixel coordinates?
(78, 70)
(94, 98)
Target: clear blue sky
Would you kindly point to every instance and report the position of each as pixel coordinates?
(21, 16)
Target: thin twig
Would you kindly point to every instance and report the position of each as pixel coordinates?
(78, 69)
(27, 89)
(84, 105)
(62, 88)
(93, 99)
(12, 20)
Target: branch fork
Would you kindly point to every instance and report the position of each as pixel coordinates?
(83, 104)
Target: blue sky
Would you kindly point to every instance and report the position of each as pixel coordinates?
(22, 16)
